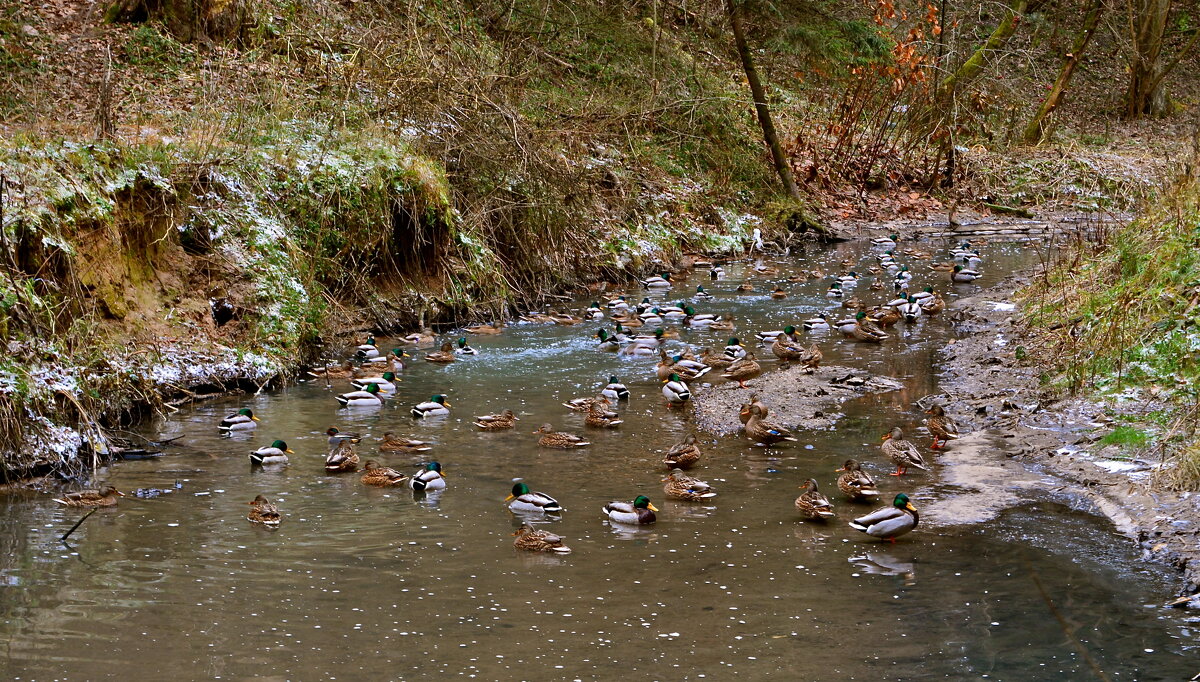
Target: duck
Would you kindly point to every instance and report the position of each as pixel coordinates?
(532, 540)
(463, 348)
(835, 291)
(436, 406)
(367, 397)
(336, 437)
(684, 454)
(391, 443)
(889, 522)
(910, 309)
(922, 295)
(393, 362)
(104, 497)
(853, 303)
(816, 323)
(716, 272)
(888, 242)
(367, 350)
(262, 511)
(778, 293)
(497, 422)
(242, 420)
(722, 325)
(607, 343)
(693, 319)
(810, 360)
(701, 294)
(941, 426)
(599, 416)
(421, 339)
(523, 499)
(902, 453)
(594, 311)
(902, 276)
(734, 350)
(941, 267)
(855, 483)
(275, 453)
(651, 317)
(688, 370)
(485, 329)
(617, 304)
(384, 383)
(745, 286)
(934, 305)
(582, 404)
(380, 476)
(744, 411)
(342, 459)
(786, 349)
(885, 316)
(846, 326)
(428, 478)
(675, 391)
(663, 282)
(559, 439)
(564, 319)
(764, 432)
(674, 312)
(342, 371)
(680, 486)
(962, 275)
(849, 279)
(812, 504)
(714, 359)
(867, 330)
(615, 390)
(971, 260)
(444, 355)
(639, 512)
(743, 370)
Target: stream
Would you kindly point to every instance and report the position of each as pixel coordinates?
(365, 583)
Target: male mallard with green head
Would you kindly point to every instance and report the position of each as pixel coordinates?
(639, 512)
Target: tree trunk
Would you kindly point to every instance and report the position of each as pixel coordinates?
(1036, 130)
(979, 61)
(782, 167)
(1146, 94)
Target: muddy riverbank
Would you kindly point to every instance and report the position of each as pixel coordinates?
(996, 396)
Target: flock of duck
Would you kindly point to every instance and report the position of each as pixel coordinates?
(372, 375)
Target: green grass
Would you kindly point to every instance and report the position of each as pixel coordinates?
(1126, 437)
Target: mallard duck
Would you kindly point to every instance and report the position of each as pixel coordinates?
(876, 285)
(778, 293)
(380, 476)
(607, 343)
(342, 459)
(523, 499)
(745, 286)
(811, 359)
(849, 279)
(744, 411)
(889, 522)
(714, 359)
(383, 383)
(693, 319)
(429, 478)
(444, 355)
(716, 272)
(853, 303)
(639, 512)
(582, 404)
(463, 348)
(532, 540)
(391, 443)
(764, 432)
(242, 420)
(599, 416)
(497, 422)
(855, 483)
(934, 305)
(922, 295)
(962, 275)
(367, 350)
(663, 282)
(722, 325)
(342, 371)
(104, 497)
(436, 406)
(867, 330)
(594, 311)
(785, 348)
(421, 339)
(835, 291)
(559, 439)
(336, 437)
(564, 319)
(910, 309)
(367, 397)
(734, 349)
(902, 275)
(701, 294)
(680, 486)
(743, 370)
(888, 242)
(275, 453)
(846, 326)
(941, 267)
(688, 370)
(812, 504)
(485, 329)
(675, 391)
(941, 427)
(683, 454)
(971, 260)
(615, 390)
(262, 511)
(902, 453)
(818, 322)
(618, 303)
(393, 362)
(885, 316)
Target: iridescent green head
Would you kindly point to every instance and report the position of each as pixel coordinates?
(643, 502)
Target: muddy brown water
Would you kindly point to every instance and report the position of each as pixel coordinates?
(362, 583)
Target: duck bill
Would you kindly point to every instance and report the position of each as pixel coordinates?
(290, 451)
(886, 436)
(651, 507)
(119, 493)
(908, 506)
(510, 498)
(447, 403)
(255, 418)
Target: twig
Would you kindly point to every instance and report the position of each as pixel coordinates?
(77, 524)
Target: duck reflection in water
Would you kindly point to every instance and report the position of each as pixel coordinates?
(883, 563)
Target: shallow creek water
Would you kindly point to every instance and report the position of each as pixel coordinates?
(362, 583)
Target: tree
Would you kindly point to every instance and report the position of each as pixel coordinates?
(188, 20)
(782, 167)
(1147, 24)
(982, 58)
(1036, 130)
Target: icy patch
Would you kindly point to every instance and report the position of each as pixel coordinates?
(1002, 306)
